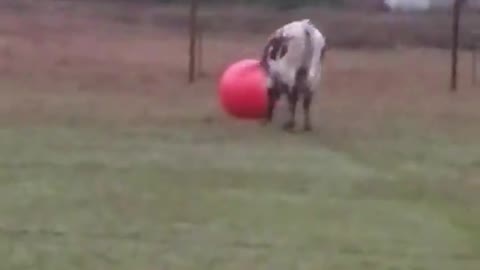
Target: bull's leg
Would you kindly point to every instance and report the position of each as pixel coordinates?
(297, 89)
(273, 96)
(271, 104)
(292, 104)
(307, 100)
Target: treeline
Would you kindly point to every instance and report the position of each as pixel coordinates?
(278, 4)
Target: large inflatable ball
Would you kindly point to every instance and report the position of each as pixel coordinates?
(242, 90)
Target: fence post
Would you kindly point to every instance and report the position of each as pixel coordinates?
(474, 64)
(193, 37)
(475, 47)
(454, 52)
(200, 50)
(457, 12)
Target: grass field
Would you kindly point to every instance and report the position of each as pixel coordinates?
(109, 160)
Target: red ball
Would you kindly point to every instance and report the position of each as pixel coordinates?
(242, 90)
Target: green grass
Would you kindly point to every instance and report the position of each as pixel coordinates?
(198, 197)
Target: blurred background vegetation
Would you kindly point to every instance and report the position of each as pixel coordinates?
(278, 4)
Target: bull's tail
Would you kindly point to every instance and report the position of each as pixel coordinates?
(308, 52)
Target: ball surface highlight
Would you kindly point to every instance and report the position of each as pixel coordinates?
(242, 90)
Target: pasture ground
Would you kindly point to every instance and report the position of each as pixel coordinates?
(109, 160)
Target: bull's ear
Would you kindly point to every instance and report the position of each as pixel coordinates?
(276, 34)
(287, 38)
(307, 21)
(323, 53)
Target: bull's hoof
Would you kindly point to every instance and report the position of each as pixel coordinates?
(289, 126)
(307, 128)
(265, 122)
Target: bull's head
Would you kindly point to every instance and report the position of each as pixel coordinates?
(275, 49)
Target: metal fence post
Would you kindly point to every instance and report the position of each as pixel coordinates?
(475, 45)
(474, 64)
(193, 39)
